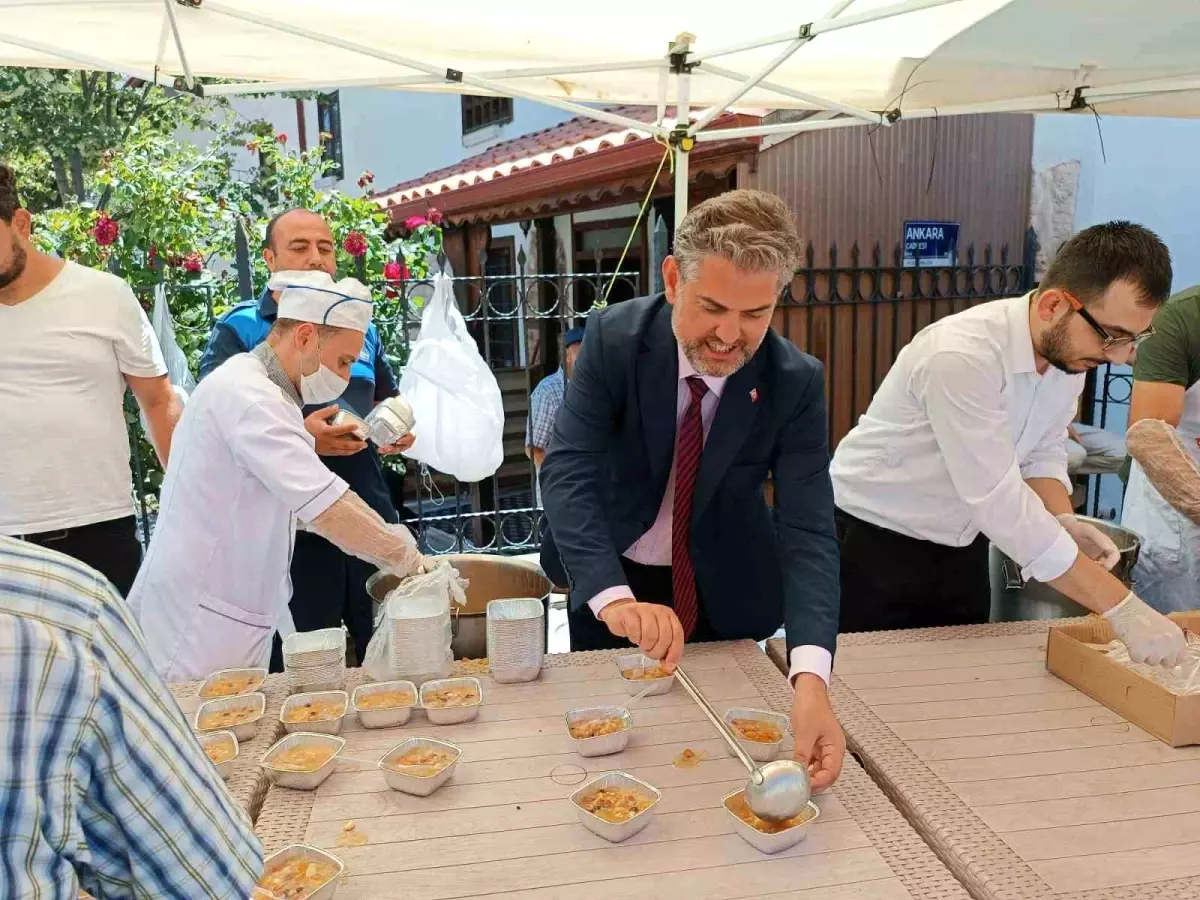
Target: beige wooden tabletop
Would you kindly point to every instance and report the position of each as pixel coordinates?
(1024, 786)
(247, 782)
(504, 828)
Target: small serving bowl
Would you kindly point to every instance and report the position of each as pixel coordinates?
(312, 854)
(770, 843)
(302, 781)
(324, 726)
(215, 738)
(759, 751)
(244, 731)
(418, 785)
(602, 744)
(388, 717)
(451, 715)
(616, 831)
(258, 676)
(637, 685)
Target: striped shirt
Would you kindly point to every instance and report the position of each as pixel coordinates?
(102, 783)
(544, 402)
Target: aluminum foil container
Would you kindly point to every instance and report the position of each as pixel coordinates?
(636, 686)
(516, 639)
(391, 420)
(215, 738)
(327, 726)
(306, 649)
(244, 731)
(757, 750)
(345, 417)
(451, 715)
(302, 781)
(603, 744)
(259, 673)
(384, 718)
(616, 831)
(769, 843)
(308, 852)
(418, 785)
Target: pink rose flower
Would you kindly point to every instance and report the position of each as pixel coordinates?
(355, 243)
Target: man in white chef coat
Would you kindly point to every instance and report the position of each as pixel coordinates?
(965, 442)
(243, 472)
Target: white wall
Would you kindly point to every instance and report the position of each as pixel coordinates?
(1152, 176)
(398, 135)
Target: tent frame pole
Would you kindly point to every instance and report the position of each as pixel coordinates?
(446, 75)
(681, 141)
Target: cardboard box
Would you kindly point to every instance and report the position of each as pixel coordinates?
(1173, 718)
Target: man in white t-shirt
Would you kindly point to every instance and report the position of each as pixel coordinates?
(71, 340)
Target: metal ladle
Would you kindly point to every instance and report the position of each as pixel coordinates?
(776, 791)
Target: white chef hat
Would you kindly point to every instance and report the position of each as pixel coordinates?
(315, 297)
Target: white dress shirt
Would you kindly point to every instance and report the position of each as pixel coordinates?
(654, 547)
(960, 422)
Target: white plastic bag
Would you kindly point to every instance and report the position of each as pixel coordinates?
(454, 395)
(413, 631)
(164, 330)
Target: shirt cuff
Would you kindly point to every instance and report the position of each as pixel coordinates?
(605, 597)
(328, 496)
(811, 659)
(1055, 560)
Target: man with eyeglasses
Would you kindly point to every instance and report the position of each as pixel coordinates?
(964, 442)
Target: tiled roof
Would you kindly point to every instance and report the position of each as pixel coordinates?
(571, 139)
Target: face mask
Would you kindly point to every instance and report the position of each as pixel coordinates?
(322, 386)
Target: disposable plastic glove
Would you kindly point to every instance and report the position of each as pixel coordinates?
(1149, 636)
(1171, 469)
(1092, 542)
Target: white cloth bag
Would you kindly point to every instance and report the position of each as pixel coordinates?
(454, 395)
(413, 630)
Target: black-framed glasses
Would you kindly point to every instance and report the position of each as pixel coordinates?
(1110, 342)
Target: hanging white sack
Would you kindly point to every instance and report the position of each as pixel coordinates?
(164, 329)
(178, 372)
(454, 395)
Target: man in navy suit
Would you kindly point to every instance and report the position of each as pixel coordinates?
(679, 407)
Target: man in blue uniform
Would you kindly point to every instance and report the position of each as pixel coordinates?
(328, 587)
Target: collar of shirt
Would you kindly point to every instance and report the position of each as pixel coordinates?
(687, 370)
(268, 307)
(267, 356)
(1018, 351)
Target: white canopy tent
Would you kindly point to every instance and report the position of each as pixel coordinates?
(852, 63)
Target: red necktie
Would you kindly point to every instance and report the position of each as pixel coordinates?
(688, 448)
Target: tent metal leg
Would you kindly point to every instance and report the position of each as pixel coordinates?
(680, 144)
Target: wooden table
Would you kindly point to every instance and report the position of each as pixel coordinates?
(504, 828)
(1024, 786)
(248, 783)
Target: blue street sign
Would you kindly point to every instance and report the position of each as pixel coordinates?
(929, 243)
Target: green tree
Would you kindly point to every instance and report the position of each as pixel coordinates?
(58, 124)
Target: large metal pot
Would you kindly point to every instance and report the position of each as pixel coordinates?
(490, 578)
(1016, 600)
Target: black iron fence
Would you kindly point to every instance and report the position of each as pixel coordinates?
(855, 318)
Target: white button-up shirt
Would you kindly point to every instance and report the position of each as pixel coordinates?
(960, 422)
(654, 547)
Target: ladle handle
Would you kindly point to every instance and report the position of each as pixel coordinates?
(719, 724)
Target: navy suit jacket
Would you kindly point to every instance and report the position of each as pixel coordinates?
(606, 472)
